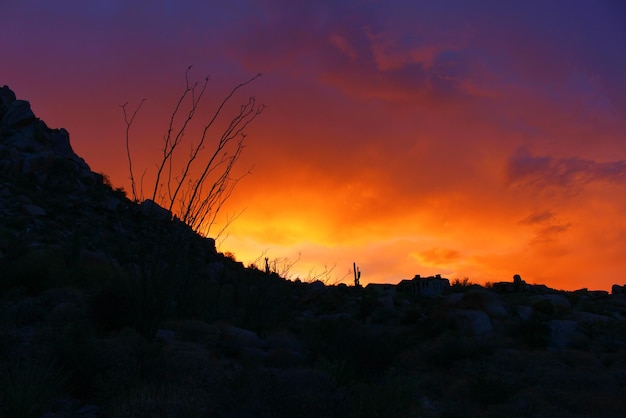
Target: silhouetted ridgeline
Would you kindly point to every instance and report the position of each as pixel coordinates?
(113, 309)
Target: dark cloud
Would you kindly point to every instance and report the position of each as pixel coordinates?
(379, 64)
(545, 171)
(550, 233)
(538, 218)
(548, 227)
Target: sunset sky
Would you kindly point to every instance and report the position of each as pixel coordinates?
(476, 139)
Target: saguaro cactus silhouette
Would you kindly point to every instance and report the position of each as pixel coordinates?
(357, 275)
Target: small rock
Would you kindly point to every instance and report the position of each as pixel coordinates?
(165, 335)
(33, 210)
(241, 337)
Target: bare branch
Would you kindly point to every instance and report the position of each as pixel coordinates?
(129, 123)
(197, 199)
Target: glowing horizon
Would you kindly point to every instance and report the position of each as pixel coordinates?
(476, 141)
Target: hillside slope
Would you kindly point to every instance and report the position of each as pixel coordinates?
(110, 308)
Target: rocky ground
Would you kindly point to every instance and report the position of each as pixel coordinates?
(111, 309)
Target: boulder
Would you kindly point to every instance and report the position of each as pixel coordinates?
(60, 141)
(18, 113)
(216, 270)
(152, 210)
(112, 204)
(486, 301)
(524, 312)
(37, 163)
(210, 244)
(387, 302)
(241, 338)
(97, 259)
(33, 210)
(29, 147)
(6, 98)
(580, 317)
(473, 323)
(166, 335)
(550, 303)
(453, 299)
(284, 358)
(562, 333)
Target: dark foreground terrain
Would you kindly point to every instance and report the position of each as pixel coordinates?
(113, 309)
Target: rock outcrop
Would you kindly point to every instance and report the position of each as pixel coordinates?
(29, 147)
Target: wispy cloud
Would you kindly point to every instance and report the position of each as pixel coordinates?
(438, 257)
(548, 227)
(571, 173)
(538, 218)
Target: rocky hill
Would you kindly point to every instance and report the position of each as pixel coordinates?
(110, 308)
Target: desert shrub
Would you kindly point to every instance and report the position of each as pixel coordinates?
(38, 270)
(263, 304)
(544, 307)
(194, 331)
(367, 349)
(28, 387)
(162, 279)
(97, 368)
(391, 395)
(489, 384)
(298, 392)
(383, 315)
(111, 307)
(24, 311)
(461, 285)
(9, 340)
(368, 303)
(11, 224)
(112, 383)
(31, 271)
(411, 316)
(609, 336)
(73, 347)
(159, 284)
(63, 168)
(158, 401)
(340, 370)
(449, 349)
